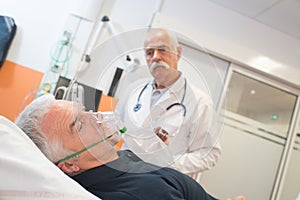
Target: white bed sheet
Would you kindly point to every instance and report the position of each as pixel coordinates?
(25, 172)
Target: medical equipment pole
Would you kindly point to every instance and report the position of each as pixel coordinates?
(86, 59)
(87, 56)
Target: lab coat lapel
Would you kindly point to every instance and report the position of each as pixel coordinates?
(144, 111)
(158, 109)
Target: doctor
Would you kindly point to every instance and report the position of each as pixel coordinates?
(170, 110)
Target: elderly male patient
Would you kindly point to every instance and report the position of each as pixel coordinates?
(80, 145)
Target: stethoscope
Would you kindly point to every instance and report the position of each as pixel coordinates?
(138, 105)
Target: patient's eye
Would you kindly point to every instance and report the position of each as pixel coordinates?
(76, 125)
(79, 125)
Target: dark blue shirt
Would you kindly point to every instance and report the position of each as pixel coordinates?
(130, 178)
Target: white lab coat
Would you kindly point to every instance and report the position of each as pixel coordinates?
(193, 145)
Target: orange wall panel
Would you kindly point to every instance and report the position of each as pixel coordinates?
(107, 103)
(18, 87)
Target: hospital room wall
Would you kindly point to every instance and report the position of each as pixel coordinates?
(38, 26)
(224, 32)
(230, 34)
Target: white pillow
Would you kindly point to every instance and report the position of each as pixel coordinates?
(26, 173)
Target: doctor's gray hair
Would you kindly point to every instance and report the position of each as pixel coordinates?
(173, 40)
(30, 121)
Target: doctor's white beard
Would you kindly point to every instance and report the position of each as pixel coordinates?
(158, 64)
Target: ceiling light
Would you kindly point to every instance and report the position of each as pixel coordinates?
(274, 116)
(264, 63)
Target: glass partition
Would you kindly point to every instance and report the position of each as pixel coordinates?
(271, 107)
(257, 120)
(291, 188)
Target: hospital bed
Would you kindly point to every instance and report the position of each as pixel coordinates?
(25, 172)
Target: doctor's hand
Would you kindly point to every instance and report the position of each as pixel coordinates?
(162, 134)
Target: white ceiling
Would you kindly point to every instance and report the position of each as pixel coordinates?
(282, 15)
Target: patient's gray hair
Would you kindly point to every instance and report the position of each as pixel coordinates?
(30, 121)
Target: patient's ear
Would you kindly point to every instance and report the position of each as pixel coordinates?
(68, 167)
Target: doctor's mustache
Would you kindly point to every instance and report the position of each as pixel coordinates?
(158, 64)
